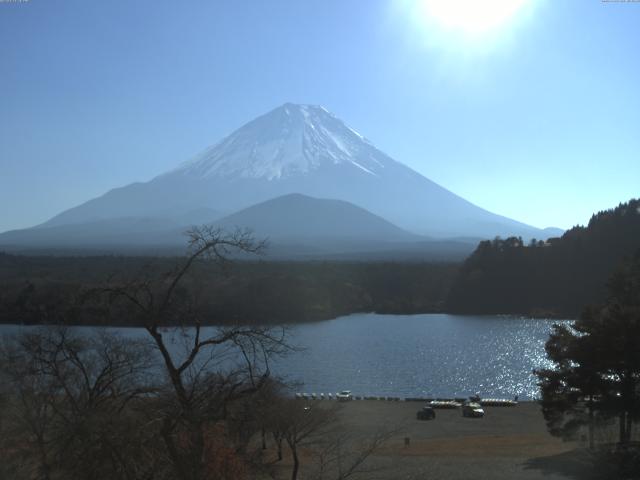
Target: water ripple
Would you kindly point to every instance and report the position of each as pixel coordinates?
(420, 355)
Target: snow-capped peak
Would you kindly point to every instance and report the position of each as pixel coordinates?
(290, 140)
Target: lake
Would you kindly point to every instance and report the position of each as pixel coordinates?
(431, 355)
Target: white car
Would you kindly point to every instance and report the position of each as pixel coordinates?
(472, 409)
(344, 396)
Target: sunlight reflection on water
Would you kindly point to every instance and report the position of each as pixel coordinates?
(420, 355)
(433, 355)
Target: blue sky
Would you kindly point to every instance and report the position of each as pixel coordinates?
(538, 120)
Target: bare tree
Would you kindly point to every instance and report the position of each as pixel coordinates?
(339, 455)
(69, 413)
(84, 406)
(216, 366)
(299, 425)
(270, 408)
(334, 452)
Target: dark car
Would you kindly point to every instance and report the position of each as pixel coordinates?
(473, 410)
(427, 413)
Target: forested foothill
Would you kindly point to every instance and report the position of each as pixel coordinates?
(554, 278)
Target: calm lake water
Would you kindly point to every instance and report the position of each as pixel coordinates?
(433, 355)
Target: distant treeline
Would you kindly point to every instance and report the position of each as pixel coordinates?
(54, 289)
(554, 278)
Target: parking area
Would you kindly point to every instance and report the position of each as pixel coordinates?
(507, 443)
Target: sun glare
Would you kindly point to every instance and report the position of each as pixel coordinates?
(470, 16)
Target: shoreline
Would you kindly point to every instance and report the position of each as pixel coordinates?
(506, 316)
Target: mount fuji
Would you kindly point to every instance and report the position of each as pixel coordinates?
(301, 149)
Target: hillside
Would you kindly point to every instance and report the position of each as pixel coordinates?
(554, 278)
(300, 216)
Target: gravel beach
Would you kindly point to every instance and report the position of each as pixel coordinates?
(508, 443)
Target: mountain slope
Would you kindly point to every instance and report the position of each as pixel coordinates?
(297, 216)
(108, 232)
(300, 149)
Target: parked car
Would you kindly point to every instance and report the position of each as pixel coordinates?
(426, 413)
(472, 409)
(344, 396)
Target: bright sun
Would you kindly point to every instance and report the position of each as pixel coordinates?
(470, 16)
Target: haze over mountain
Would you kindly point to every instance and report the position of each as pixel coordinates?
(296, 227)
(297, 216)
(293, 149)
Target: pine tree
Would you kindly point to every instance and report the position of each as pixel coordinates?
(596, 373)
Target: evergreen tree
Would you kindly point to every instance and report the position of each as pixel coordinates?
(553, 278)
(596, 372)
